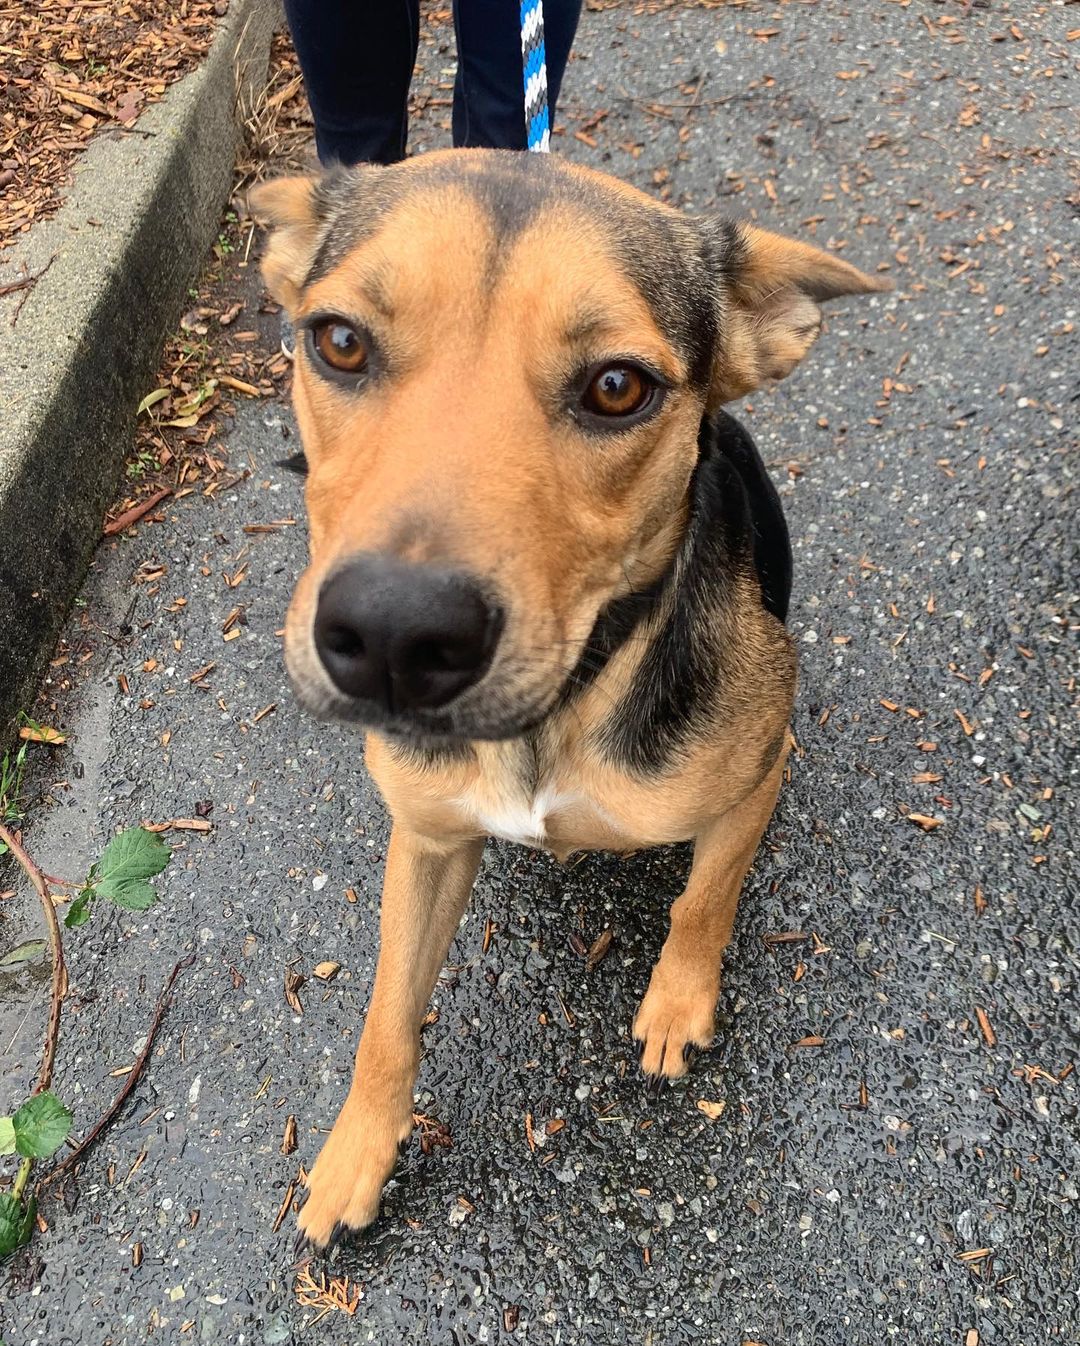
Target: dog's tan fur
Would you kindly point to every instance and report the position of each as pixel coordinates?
(459, 458)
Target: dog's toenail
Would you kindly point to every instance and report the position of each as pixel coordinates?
(336, 1235)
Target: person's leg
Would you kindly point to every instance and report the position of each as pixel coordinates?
(357, 60)
(489, 97)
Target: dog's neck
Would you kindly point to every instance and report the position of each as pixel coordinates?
(676, 660)
(624, 616)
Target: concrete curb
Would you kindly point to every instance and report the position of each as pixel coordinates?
(121, 254)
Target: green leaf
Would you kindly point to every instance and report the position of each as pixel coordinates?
(16, 1223)
(134, 854)
(79, 911)
(129, 860)
(7, 1136)
(23, 953)
(41, 1126)
(134, 894)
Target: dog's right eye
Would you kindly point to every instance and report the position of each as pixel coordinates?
(618, 395)
(340, 346)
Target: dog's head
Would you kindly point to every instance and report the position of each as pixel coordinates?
(502, 365)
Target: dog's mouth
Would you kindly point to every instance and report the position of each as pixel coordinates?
(488, 717)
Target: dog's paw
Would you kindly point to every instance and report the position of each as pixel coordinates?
(346, 1183)
(673, 1019)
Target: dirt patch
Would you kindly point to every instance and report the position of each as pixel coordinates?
(69, 68)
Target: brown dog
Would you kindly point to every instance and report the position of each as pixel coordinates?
(547, 573)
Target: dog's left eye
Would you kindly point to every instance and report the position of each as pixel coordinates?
(617, 391)
(340, 346)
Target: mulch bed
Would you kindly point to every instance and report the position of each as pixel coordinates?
(71, 67)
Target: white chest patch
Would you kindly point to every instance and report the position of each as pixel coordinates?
(524, 821)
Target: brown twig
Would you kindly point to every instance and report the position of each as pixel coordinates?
(135, 513)
(132, 1078)
(56, 949)
(59, 883)
(26, 284)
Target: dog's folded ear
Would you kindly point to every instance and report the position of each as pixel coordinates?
(770, 318)
(290, 207)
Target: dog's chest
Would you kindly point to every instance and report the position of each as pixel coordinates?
(529, 821)
(554, 810)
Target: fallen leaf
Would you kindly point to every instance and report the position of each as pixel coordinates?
(293, 982)
(152, 399)
(41, 733)
(23, 953)
(128, 106)
(599, 949)
(327, 1294)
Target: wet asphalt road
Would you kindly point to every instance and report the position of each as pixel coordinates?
(931, 497)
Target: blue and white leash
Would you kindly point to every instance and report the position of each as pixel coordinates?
(534, 72)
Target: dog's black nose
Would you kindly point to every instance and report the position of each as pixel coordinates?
(404, 636)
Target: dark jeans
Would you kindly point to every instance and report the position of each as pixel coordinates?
(358, 55)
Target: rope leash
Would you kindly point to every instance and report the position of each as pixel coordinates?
(534, 74)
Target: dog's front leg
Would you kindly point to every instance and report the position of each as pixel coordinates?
(677, 1013)
(426, 888)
